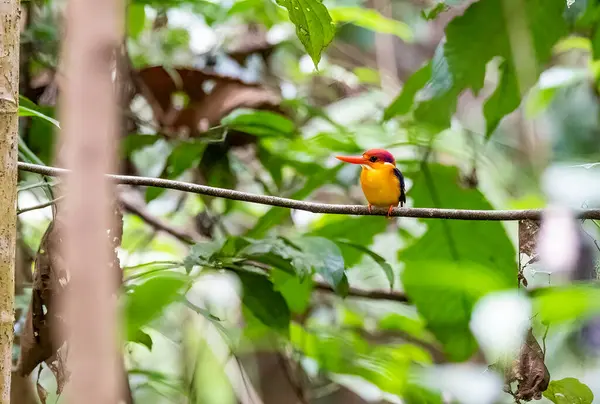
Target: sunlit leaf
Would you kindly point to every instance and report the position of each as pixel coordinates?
(143, 339)
(314, 26)
(295, 291)
(371, 19)
(136, 19)
(569, 391)
(325, 257)
(387, 268)
(147, 300)
(413, 327)
(276, 215)
(475, 38)
(184, 156)
(28, 108)
(559, 305)
(259, 123)
(446, 272)
(358, 230)
(402, 104)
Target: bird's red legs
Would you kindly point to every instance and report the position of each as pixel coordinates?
(389, 213)
(370, 208)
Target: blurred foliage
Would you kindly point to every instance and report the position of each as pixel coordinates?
(259, 96)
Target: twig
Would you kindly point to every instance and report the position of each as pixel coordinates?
(158, 223)
(367, 294)
(40, 206)
(423, 213)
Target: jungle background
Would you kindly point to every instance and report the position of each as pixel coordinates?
(491, 104)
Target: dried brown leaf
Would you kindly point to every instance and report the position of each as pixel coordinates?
(211, 97)
(39, 342)
(528, 230)
(529, 370)
(41, 391)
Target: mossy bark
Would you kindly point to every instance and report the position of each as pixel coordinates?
(9, 111)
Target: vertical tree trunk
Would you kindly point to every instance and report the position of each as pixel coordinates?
(88, 112)
(9, 107)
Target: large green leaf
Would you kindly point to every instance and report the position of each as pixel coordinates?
(569, 391)
(559, 305)
(147, 300)
(259, 123)
(455, 262)
(265, 303)
(387, 268)
(476, 37)
(345, 352)
(404, 101)
(275, 215)
(183, 157)
(136, 19)
(314, 26)
(371, 19)
(325, 258)
(277, 253)
(295, 291)
(360, 230)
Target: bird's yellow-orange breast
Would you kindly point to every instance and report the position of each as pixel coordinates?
(380, 186)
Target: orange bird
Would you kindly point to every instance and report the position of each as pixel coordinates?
(381, 182)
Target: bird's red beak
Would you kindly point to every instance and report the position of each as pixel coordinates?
(352, 159)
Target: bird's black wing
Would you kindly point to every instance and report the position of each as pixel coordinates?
(400, 177)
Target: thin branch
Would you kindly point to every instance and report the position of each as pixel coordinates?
(423, 213)
(158, 223)
(40, 206)
(367, 294)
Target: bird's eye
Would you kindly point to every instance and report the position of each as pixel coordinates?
(372, 159)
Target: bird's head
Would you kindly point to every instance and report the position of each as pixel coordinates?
(371, 159)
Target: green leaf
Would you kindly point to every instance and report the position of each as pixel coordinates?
(265, 303)
(200, 254)
(136, 19)
(367, 75)
(475, 38)
(345, 352)
(404, 101)
(387, 268)
(503, 101)
(372, 20)
(432, 12)
(445, 271)
(278, 253)
(416, 328)
(136, 141)
(295, 291)
(559, 305)
(325, 257)
(569, 391)
(259, 123)
(143, 339)
(183, 157)
(27, 111)
(314, 26)
(361, 230)
(276, 215)
(147, 300)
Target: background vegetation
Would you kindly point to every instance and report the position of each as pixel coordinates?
(491, 104)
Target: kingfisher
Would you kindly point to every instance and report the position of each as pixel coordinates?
(381, 181)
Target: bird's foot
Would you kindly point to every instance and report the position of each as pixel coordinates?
(389, 212)
(370, 208)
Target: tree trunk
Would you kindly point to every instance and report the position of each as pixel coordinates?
(88, 145)
(9, 111)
